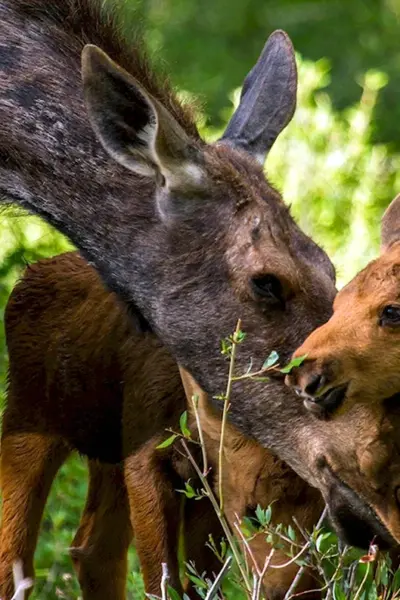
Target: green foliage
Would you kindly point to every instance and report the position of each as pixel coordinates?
(337, 179)
(328, 169)
(210, 49)
(295, 362)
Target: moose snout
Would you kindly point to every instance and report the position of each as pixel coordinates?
(316, 382)
(308, 380)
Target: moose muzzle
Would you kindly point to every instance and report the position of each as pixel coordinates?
(356, 449)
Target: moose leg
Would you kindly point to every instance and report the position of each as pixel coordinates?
(100, 547)
(155, 515)
(29, 463)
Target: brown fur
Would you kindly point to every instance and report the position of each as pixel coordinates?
(355, 351)
(82, 378)
(182, 231)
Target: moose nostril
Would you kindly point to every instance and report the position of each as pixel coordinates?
(315, 383)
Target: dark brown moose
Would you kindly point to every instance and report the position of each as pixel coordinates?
(77, 368)
(351, 374)
(190, 236)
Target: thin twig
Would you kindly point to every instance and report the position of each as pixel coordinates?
(195, 400)
(21, 583)
(300, 572)
(264, 570)
(164, 581)
(212, 592)
(254, 586)
(246, 545)
(253, 374)
(300, 528)
(285, 538)
(220, 515)
(293, 559)
(225, 413)
(352, 578)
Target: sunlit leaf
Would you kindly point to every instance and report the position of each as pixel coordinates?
(295, 362)
(183, 425)
(168, 442)
(271, 360)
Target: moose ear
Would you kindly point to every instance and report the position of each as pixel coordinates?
(390, 224)
(134, 128)
(268, 99)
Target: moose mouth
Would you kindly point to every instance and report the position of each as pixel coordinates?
(326, 403)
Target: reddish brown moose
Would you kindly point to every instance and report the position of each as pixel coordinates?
(351, 377)
(77, 367)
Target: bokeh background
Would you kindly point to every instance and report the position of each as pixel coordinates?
(337, 163)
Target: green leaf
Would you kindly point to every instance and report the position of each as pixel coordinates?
(271, 360)
(291, 533)
(396, 581)
(263, 516)
(338, 593)
(183, 424)
(239, 337)
(320, 545)
(226, 347)
(372, 592)
(188, 491)
(247, 527)
(295, 362)
(197, 581)
(383, 574)
(173, 594)
(168, 442)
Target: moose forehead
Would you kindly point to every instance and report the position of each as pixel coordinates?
(378, 282)
(262, 231)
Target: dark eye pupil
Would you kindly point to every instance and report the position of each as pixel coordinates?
(391, 314)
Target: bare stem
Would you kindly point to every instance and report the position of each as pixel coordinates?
(164, 581)
(21, 583)
(247, 546)
(261, 575)
(225, 413)
(300, 572)
(195, 400)
(220, 515)
(218, 580)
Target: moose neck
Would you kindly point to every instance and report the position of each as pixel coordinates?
(51, 162)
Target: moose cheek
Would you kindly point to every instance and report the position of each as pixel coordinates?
(374, 460)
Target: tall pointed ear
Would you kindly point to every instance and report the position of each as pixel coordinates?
(268, 99)
(390, 224)
(134, 128)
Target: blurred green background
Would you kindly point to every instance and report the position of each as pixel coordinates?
(337, 163)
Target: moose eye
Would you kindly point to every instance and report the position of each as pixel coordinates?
(390, 316)
(268, 287)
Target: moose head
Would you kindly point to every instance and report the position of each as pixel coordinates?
(351, 378)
